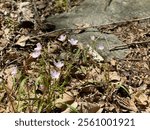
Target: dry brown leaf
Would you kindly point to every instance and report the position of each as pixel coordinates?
(68, 110)
(126, 103)
(109, 107)
(87, 107)
(113, 62)
(148, 110)
(133, 106)
(142, 99)
(100, 110)
(2, 109)
(67, 98)
(22, 40)
(95, 74)
(3, 44)
(81, 27)
(24, 8)
(9, 78)
(114, 76)
(6, 31)
(101, 105)
(9, 107)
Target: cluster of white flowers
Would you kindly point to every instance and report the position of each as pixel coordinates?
(59, 64)
(72, 41)
(37, 51)
(56, 74)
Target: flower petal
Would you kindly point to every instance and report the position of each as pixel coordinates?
(38, 47)
(55, 74)
(14, 71)
(35, 54)
(73, 41)
(92, 38)
(62, 38)
(59, 64)
(101, 47)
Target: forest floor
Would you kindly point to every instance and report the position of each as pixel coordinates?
(45, 70)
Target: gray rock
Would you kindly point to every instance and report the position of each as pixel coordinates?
(93, 12)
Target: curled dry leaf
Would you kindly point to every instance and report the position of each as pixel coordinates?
(67, 98)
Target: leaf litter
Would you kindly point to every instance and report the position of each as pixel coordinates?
(55, 73)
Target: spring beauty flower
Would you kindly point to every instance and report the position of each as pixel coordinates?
(14, 71)
(92, 38)
(100, 47)
(62, 38)
(37, 51)
(59, 64)
(38, 47)
(36, 54)
(55, 74)
(73, 41)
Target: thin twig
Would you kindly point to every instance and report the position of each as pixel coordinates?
(129, 45)
(135, 60)
(98, 27)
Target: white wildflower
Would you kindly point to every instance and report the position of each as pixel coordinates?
(37, 51)
(101, 47)
(62, 38)
(55, 74)
(59, 64)
(35, 54)
(73, 41)
(38, 47)
(14, 71)
(92, 38)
